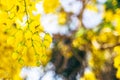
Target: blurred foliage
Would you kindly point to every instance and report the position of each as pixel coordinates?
(23, 41)
(100, 46)
(101, 42)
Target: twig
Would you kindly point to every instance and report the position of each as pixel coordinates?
(82, 11)
(26, 12)
(109, 47)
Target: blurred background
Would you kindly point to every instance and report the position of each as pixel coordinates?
(85, 40)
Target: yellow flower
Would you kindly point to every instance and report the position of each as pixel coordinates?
(10, 40)
(118, 73)
(92, 7)
(7, 4)
(62, 18)
(89, 76)
(19, 36)
(117, 61)
(37, 38)
(28, 35)
(108, 16)
(44, 59)
(117, 50)
(50, 5)
(47, 40)
(15, 55)
(16, 75)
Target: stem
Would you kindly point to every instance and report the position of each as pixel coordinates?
(26, 12)
(82, 11)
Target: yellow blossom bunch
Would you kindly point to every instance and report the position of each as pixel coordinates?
(20, 41)
(116, 22)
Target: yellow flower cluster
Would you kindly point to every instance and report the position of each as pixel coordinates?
(102, 42)
(115, 18)
(20, 41)
(99, 46)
